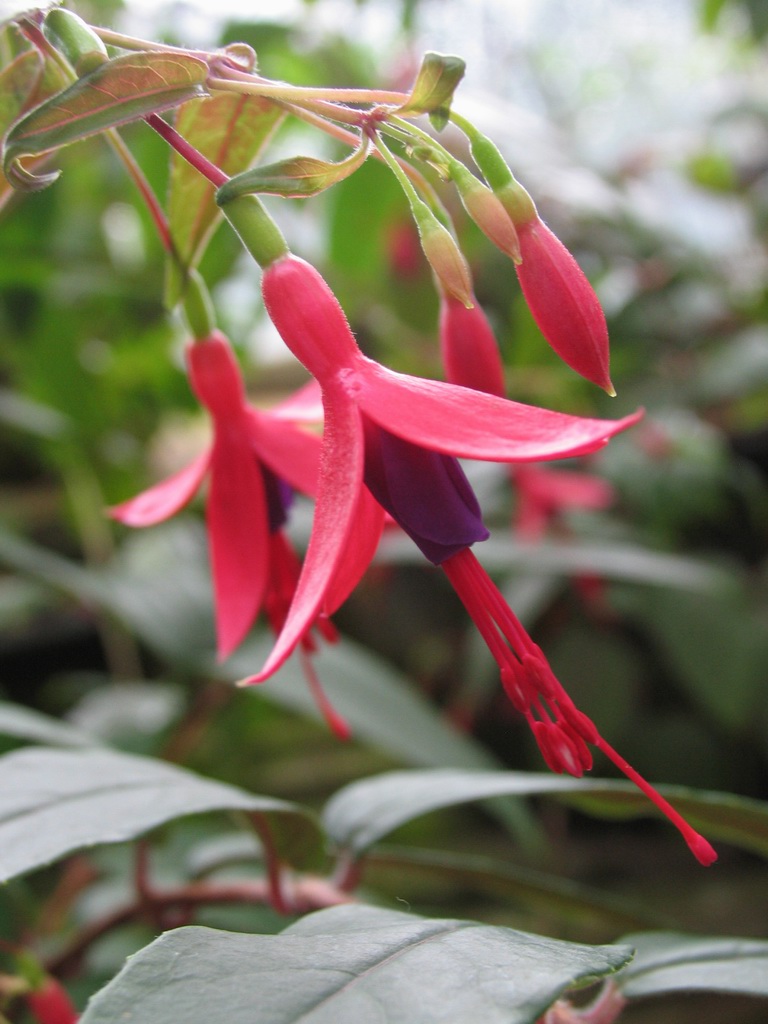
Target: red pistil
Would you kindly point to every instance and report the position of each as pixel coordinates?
(561, 731)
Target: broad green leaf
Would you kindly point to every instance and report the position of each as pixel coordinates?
(501, 879)
(295, 178)
(124, 89)
(434, 87)
(666, 962)
(25, 724)
(374, 698)
(362, 813)
(349, 965)
(707, 638)
(230, 130)
(53, 802)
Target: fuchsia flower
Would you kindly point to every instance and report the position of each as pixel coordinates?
(397, 438)
(255, 461)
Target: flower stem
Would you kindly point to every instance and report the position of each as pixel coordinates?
(215, 175)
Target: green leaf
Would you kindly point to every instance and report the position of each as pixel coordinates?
(501, 879)
(614, 561)
(706, 639)
(18, 80)
(435, 84)
(351, 964)
(124, 89)
(362, 813)
(298, 177)
(25, 724)
(666, 962)
(230, 130)
(374, 698)
(53, 802)
(709, 13)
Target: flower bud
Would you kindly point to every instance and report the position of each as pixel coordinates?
(50, 1004)
(469, 350)
(486, 210)
(563, 303)
(75, 39)
(559, 296)
(444, 255)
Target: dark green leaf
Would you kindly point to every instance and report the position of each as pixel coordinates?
(435, 84)
(501, 879)
(347, 965)
(124, 89)
(229, 130)
(667, 962)
(707, 638)
(362, 813)
(53, 802)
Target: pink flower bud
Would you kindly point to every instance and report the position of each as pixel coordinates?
(468, 347)
(563, 303)
(51, 1004)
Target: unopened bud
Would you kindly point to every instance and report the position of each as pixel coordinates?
(75, 39)
(444, 255)
(563, 303)
(486, 210)
(469, 350)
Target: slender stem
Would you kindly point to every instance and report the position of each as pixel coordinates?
(214, 174)
(396, 167)
(150, 199)
(300, 93)
(307, 894)
(277, 897)
(124, 42)
(286, 94)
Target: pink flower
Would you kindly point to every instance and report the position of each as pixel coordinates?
(396, 439)
(255, 461)
(377, 420)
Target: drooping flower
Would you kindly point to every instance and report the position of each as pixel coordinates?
(254, 463)
(398, 438)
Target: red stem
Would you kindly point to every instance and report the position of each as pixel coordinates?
(194, 157)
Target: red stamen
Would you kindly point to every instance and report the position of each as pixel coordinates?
(698, 845)
(561, 731)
